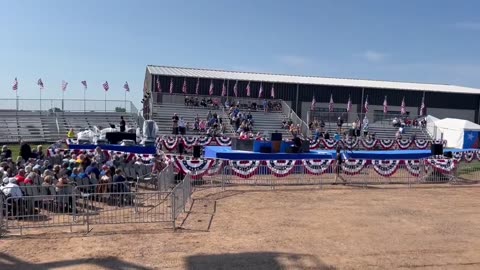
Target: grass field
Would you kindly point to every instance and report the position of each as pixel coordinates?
(16, 148)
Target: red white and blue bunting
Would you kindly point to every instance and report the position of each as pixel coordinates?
(351, 143)
(244, 169)
(317, 167)
(216, 168)
(204, 140)
(468, 156)
(315, 143)
(353, 166)
(413, 167)
(404, 144)
(196, 167)
(170, 143)
(223, 141)
(442, 165)
(281, 168)
(387, 143)
(189, 141)
(421, 144)
(330, 143)
(369, 144)
(385, 168)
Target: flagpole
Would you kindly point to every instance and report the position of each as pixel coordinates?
(63, 98)
(84, 103)
(40, 100)
(105, 101)
(125, 101)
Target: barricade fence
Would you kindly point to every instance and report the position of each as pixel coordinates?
(161, 201)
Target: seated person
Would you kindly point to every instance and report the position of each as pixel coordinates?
(203, 103)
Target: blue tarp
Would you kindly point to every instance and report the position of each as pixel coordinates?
(113, 147)
(225, 152)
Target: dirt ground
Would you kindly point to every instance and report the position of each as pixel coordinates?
(340, 228)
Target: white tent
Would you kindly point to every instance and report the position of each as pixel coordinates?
(458, 133)
(431, 126)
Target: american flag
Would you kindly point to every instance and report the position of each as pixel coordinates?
(126, 87)
(84, 83)
(210, 91)
(197, 87)
(184, 87)
(248, 89)
(422, 106)
(224, 89)
(235, 89)
(403, 110)
(40, 83)
(272, 92)
(260, 92)
(15, 85)
(366, 105)
(349, 104)
(385, 105)
(171, 86)
(64, 86)
(312, 107)
(105, 86)
(330, 105)
(159, 86)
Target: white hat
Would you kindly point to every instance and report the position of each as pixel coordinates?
(12, 180)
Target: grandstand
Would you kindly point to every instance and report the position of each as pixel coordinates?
(297, 91)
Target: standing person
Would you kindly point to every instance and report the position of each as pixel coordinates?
(338, 165)
(122, 124)
(182, 126)
(25, 151)
(175, 124)
(339, 124)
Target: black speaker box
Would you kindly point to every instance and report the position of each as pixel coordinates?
(437, 149)
(448, 154)
(197, 150)
(305, 146)
(180, 148)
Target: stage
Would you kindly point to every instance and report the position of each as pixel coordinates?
(136, 149)
(225, 152)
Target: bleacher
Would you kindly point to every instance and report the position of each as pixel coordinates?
(162, 115)
(32, 126)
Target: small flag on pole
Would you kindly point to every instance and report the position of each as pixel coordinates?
(224, 89)
(105, 86)
(84, 83)
(260, 92)
(184, 87)
(330, 105)
(171, 85)
(403, 110)
(40, 83)
(15, 84)
(272, 92)
(197, 87)
(159, 86)
(210, 90)
(312, 107)
(248, 89)
(385, 105)
(126, 87)
(365, 106)
(64, 86)
(235, 89)
(349, 104)
(422, 106)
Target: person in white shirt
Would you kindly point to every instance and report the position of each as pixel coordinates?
(12, 189)
(181, 126)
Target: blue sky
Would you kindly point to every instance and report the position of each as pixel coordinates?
(421, 41)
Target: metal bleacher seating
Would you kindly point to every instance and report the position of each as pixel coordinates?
(33, 126)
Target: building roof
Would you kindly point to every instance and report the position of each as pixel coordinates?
(312, 80)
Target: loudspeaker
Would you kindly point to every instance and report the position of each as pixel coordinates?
(437, 149)
(305, 146)
(197, 149)
(116, 137)
(180, 148)
(448, 154)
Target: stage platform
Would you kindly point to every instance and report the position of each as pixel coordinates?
(225, 152)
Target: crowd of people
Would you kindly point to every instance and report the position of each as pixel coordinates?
(211, 125)
(60, 173)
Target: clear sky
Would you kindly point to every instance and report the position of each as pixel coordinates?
(420, 41)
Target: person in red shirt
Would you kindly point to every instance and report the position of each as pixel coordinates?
(20, 176)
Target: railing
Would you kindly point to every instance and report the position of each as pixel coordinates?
(286, 110)
(67, 105)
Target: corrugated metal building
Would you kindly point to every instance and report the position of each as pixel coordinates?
(440, 100)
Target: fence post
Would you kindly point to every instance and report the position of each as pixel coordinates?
(173, 208)
(85, 202)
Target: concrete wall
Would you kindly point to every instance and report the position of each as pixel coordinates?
(452, 113)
